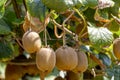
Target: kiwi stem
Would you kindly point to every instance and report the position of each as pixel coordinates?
(45, 37)
(30, 23)
(17, 40)
(85, 24)
(63, 26)
(60, 27)
(64, 42)
(56, 32)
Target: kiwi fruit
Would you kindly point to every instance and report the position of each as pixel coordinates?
(31, 41)
(66, 58)
(116, 48)
(82, 62)
(45, 60)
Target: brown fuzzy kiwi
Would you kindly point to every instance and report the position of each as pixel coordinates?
(82, 62)
(45, 60)
(66, 58)
(31, 41)
(73, 76)
(116, 48)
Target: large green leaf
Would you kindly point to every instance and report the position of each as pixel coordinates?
(2, 7)
(5, 51)
(100, 36)
(63, 5)
(4, 28)
(36, 9)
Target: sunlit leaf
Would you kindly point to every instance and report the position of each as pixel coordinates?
(2, 7)
(100, 36)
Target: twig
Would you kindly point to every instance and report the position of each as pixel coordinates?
(63, 26)
(48, 35)
(45, 37)
(17, 40)
(60, 27)
(68, 18)
(116, 18)
(83, 34)
(19, 43)
(24, 5)
(15, 6)
(84, 21)
(56, 32)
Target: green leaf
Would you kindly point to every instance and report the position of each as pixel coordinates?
(114, 26)
(5, 51)
(54, 15)
(101, 15)
(115, 9)
(36, 9)
(105, 59)
(113, 72)
(18, 21)
(2, 8)
(90, 16)
(63, 5)
(4, 28)
(9, 15)
(90, 3)
(100, 36)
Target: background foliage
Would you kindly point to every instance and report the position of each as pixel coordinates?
(96, 24)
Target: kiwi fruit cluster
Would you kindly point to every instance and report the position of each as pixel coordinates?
(64, 58)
